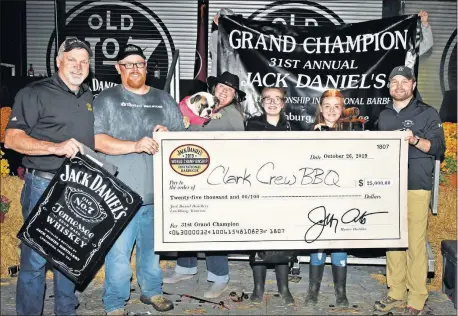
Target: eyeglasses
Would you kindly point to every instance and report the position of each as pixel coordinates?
(268, 100)
(131, 65)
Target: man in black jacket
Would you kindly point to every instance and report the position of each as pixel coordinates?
(407, 269)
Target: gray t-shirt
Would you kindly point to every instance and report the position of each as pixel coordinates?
(124, 115)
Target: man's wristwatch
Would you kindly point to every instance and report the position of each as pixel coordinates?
(418, 140)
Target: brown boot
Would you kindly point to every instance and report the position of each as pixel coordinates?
(159, 302)
(388, 303)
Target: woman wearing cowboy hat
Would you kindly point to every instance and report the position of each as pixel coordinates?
(226, 89)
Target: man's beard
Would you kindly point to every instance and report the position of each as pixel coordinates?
(75, 80)
(136, 82)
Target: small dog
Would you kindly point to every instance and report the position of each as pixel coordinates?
(198, 108)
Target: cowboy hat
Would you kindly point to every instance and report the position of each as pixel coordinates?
(229, 80)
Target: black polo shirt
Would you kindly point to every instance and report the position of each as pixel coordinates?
(48, 110)
(424, 121)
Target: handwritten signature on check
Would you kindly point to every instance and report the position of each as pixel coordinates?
(321, 220)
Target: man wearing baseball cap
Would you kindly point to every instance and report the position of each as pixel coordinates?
(126, 117)
(50, 120)
(72, 43)
(407, 270)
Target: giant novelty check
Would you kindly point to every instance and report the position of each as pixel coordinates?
(280, 190)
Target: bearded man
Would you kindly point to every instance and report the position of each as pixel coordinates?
(406, 269)
(126, 116)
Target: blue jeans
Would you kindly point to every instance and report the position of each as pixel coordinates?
(337, 258)
(31, 281)
(118, 271)
(217, 266)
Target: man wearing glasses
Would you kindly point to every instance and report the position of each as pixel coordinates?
(126, 116)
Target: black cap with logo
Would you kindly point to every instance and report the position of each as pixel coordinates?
(128, 50)
(72, 43)
(402, 71)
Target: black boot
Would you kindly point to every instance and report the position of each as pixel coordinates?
(281, 271)
(315, 277)
(339, 275)
(259, 276)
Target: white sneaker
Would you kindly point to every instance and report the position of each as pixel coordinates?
(176, 277)
(215, 290)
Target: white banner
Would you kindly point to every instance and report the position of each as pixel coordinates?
(280, 190)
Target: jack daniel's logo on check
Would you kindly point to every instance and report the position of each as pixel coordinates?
(189, 160)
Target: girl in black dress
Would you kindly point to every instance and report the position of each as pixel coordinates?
(273, 119)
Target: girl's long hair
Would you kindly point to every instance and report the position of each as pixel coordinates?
(319, 119)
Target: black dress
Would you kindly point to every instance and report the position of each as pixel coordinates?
(259, 123)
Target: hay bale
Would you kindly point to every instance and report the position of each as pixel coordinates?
(11, 187)
(442, 227)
